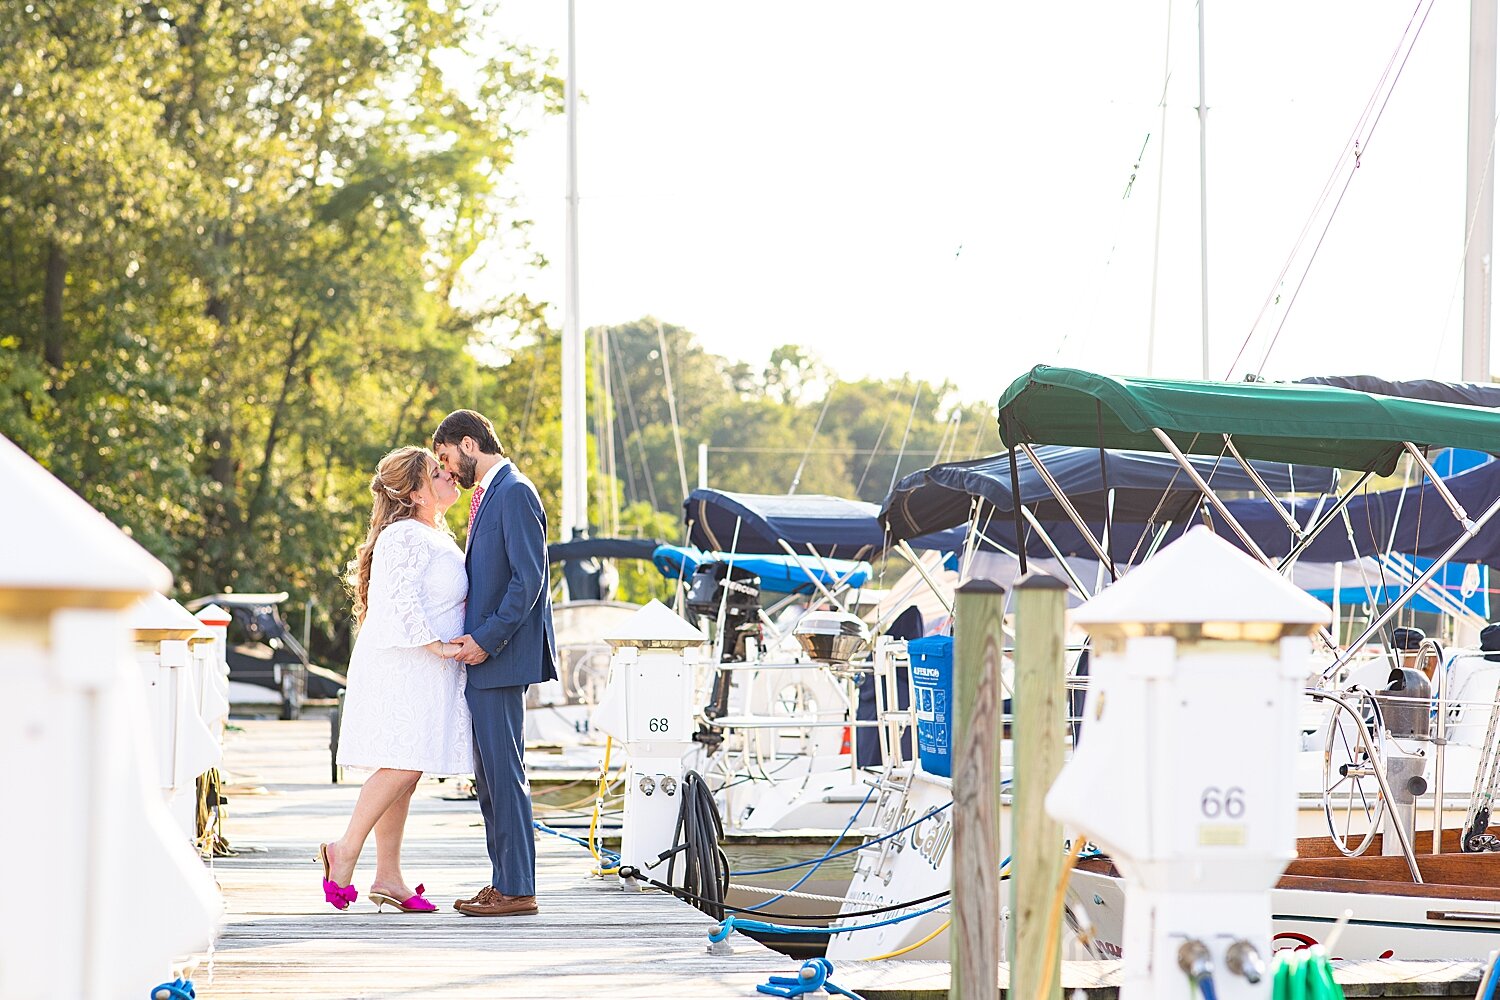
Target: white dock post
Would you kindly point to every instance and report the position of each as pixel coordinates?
(211, 645)
(185, 746)
(113, 893)
(1190, 733)
(647, 708)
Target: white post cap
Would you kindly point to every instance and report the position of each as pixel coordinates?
(157, 617)
(212, 614)
(656, 627)
(59, 551)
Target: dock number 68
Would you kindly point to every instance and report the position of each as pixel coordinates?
(1230, 803)
(658, 724)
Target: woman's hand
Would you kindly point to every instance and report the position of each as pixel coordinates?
(447, 650)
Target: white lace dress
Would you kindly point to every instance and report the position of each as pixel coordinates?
(405, 705)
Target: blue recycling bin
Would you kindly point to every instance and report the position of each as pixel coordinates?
(932, 694)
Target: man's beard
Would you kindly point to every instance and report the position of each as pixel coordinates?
(467, 466)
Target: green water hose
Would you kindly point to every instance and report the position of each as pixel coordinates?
(1304, 975)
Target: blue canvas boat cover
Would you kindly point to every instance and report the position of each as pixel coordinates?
(779, 574)
(1414, 520)
(753, 522)
(602, 548)
(1146, 486)
(1463, 393)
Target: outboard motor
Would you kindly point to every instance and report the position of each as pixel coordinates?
(737, 591)
(1405, 707)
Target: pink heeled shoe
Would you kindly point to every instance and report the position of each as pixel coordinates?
(416, 904)
(339, 895)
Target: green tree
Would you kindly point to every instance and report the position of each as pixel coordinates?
(237, 236)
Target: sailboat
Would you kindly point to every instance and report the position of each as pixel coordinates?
(1437, 906)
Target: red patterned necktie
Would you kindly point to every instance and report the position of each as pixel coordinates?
(474, 502)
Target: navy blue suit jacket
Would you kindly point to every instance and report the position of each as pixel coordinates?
(509, 612)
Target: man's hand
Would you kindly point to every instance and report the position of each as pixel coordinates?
(469, 651)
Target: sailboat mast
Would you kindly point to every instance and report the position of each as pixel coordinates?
(1161, 173)
(1479, 200)
(1203, 187)
(575, 517)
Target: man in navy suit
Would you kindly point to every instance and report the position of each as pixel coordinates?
(508, 644)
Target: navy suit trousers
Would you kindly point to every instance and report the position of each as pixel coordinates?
(500, 780)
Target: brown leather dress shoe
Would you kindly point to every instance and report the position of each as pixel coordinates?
(499, 905)
(479, 897)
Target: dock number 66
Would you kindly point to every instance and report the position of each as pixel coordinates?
(1230, 803)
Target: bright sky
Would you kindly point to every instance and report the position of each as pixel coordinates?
(937, 188)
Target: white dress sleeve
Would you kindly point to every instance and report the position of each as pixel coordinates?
(397, 613)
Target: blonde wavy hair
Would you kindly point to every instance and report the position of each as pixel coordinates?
(400, 474)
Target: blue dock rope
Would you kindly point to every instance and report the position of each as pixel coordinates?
(826, 854)
(177, 989)
(732, 923)
(611, 855)
(1493, 978)
(829, 857)
(812, 977)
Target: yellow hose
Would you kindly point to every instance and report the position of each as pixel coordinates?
(912, 947)
(598, 805)
(1054, 924)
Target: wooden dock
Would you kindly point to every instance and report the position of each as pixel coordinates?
(590, 940)
(281, 939)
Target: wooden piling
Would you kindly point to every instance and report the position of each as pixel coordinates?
(1038, 730)
(974, 948)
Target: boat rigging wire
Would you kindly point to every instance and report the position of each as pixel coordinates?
(1458, 279)
(900, 454)
(873, 451)
(635, 424)
(1351, 154)
(666, 373)
(797, 477)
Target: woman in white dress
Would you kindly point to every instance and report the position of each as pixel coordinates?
(404, 712)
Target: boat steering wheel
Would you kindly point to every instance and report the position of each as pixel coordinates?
(1352, 803)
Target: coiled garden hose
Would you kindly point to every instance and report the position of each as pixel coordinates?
(1305, 974)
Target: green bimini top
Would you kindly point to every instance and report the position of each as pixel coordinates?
(1276, 421)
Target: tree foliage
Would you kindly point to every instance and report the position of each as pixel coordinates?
(792, 425)
(236, 239)
(239, 241)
